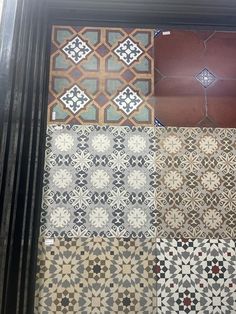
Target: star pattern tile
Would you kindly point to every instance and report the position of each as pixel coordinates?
(196, 276)
(96, 275)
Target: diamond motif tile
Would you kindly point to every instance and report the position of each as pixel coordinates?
(206, 78)
(86, 57)
(75, 99)
(128, 51)
(128, 100)
(96, 275)
(76, 49)
(196, 276)
(196, 187)
(99, 181)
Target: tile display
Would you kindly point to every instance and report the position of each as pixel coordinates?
(101, 76)
(96, 275)
(196, 192)
(99, 181)
(195, 78)
(196, 276)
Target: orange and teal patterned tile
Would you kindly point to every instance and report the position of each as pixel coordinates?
(101, 76)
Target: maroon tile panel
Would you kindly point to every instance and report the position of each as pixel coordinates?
(180, 102)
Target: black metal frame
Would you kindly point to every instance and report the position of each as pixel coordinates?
(24, 56)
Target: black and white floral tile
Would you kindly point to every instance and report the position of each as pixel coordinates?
(139, 182)
(99, 181)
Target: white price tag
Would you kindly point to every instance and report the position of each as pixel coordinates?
(49, 241)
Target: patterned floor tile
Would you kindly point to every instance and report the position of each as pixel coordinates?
(99, 181)
(96, 275)
(196, 192)
(196, 276)
(101, 76)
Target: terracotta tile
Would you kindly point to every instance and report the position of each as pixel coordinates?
(207, 123)
(220, 54)
(221, 98)
(180, 53)
(180, 102)
(204, 35)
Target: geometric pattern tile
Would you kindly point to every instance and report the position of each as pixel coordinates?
(206, 78)
(128, 51)
(101, 63)
(76, 49)
(96, 275)
(128, 100)
(99, 181)
(196, 276)
(196, 188)
(75, 99)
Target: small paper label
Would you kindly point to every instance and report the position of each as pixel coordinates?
(49, 241)
(166, 33)
(54, 115)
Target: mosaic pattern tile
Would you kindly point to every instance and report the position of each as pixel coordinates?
(196, 276)
(206, 78)
(99, 181)
(96, 275)
(101, 76)
(196, 192)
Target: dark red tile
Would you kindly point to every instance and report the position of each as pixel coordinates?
(204, 35)
(180, 53)
(180, 102)
(221, 99)
(207, 123)
(220, 54)
(157, 76)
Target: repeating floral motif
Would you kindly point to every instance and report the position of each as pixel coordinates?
(96, 275)
(99, 181)
(196, 276)
(196, 188)
(101, 75)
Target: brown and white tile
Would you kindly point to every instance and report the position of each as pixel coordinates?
(196, 190)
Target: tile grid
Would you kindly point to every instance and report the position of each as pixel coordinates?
(101, 76)
(171, 144)
(106, 205)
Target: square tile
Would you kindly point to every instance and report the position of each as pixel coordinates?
(209, 287)
(196, 187)
(99, 181)
(91, 71)
(99, 281)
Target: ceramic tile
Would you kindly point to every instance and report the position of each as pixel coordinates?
(221, 103)
(195, 78)
(196, 276)
(96, 275)
(206, 78)
(101, 76)
(181, 53)
(180, 101)
(220, 53)
(99, 181)
(196, 192)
